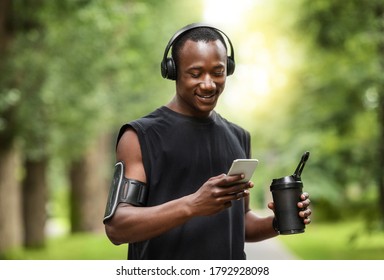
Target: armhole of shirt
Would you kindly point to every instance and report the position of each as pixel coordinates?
(143, 147)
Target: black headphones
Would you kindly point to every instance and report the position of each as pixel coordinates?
(168, 67)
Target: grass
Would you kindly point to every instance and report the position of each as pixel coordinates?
(337, 241)
(73, 247)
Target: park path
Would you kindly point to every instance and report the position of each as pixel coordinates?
(270, 249)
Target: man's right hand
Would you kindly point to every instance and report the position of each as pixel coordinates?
(217, 194)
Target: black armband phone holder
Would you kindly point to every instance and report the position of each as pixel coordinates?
(124, 190)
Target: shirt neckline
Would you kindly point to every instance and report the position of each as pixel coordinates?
(206, 120)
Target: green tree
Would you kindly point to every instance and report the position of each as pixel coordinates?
(109, 74)
(21, 81)
(74, 71)
(342, 85)
(325, 97)
(10, 216)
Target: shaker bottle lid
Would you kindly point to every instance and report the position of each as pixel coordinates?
(285, 183)
(295, 178)
(285, 180)
(300, 167)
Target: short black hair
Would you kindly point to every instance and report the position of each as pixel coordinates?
(205, 34)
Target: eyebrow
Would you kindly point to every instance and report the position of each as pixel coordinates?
(220, 66)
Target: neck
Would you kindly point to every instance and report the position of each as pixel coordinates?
(176, 106)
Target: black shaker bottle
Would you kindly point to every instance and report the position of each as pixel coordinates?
(286, 192)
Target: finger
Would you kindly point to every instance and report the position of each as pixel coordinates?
(238, 196)
(241, 194)
(230, 179)
(234, 196)
(304, 204)
(250, 185)
(230, 190)
(218, 177)
(304, 196)
(271, 206)
(306, 213)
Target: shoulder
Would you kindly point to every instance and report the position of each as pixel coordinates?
(235, 128)
(140, 125)
(128, 151)
(148, 120)
(127, 144)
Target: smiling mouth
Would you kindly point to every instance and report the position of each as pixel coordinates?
(206, 96)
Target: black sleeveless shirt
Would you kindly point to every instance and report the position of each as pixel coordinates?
(179, 154)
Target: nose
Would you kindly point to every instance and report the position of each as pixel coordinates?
(208, 84)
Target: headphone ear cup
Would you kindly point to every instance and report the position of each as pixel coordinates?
(163, 68)
(168, 69)
(230, 66)
(171, 69)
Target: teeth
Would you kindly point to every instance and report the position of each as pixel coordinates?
(207, 96)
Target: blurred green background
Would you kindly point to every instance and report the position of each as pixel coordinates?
(309, 76)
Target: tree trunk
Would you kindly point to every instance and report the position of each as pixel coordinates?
(10, 204)
(34, 202)
(380, 154)
(5, 32)
(88, 188)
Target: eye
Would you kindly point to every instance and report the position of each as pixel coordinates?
(195, 74)
(218, 73)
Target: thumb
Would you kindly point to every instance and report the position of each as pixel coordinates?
(271, 206)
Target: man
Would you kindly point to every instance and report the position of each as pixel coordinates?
(173, 163)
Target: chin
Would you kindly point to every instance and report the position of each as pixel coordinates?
(206, 109)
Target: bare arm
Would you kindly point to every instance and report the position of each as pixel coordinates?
(257, 228)
(132, 224)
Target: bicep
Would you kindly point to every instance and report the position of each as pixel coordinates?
(129, 151)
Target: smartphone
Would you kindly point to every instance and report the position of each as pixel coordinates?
(243, 166)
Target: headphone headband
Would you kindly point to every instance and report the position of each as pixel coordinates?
(168, 67)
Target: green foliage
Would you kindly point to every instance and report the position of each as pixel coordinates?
(73, 247)
(77, 69)
(328, 102)
(337, 241)
(338, 25)
(338, 79)
(344, 241)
